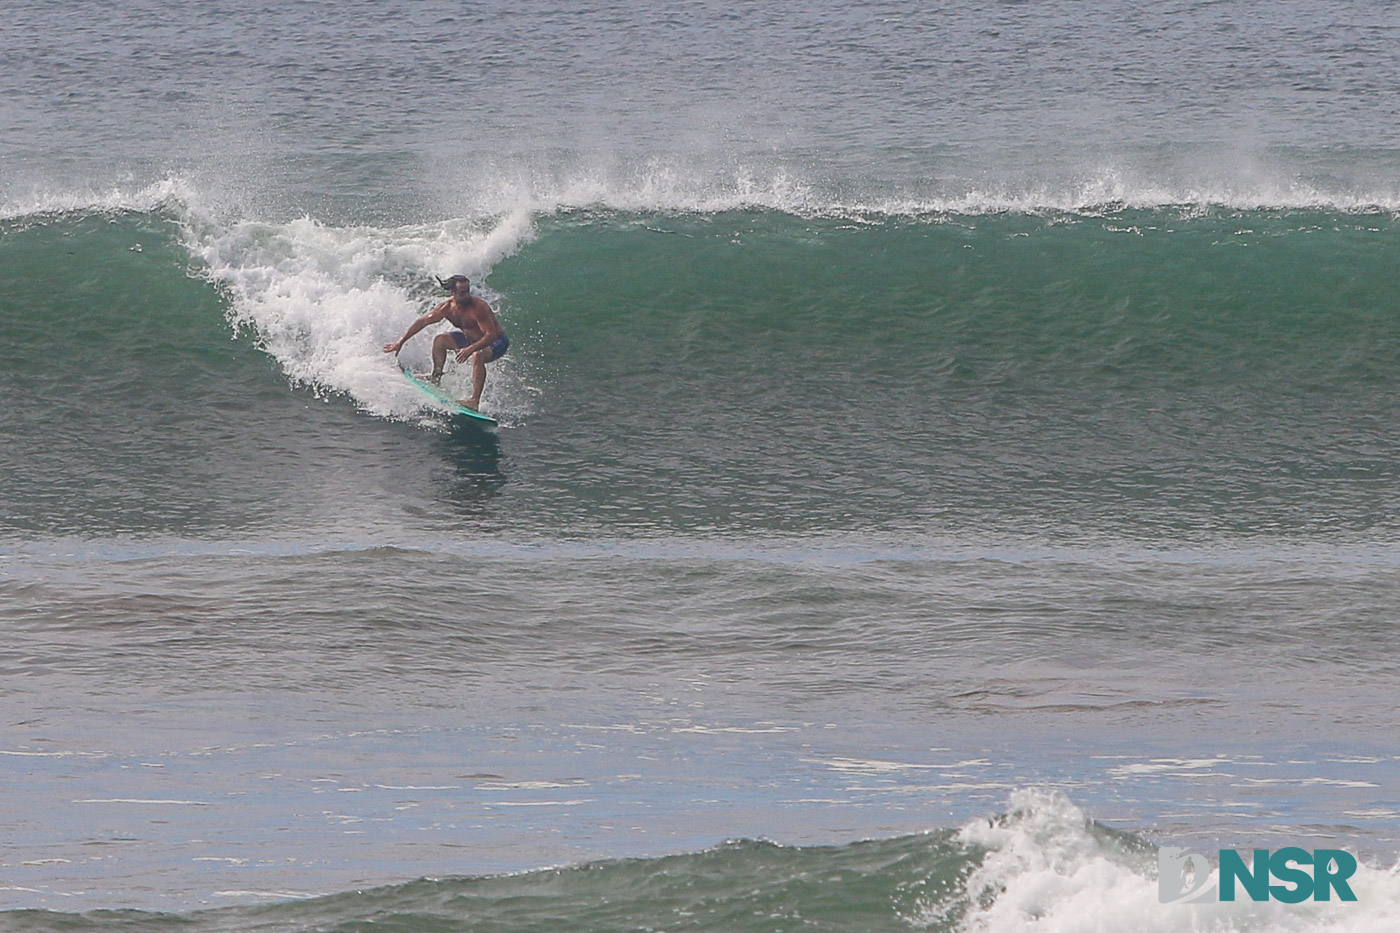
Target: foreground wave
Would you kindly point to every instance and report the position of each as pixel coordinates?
(1041, 865)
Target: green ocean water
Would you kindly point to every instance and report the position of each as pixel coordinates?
(741, 885)
(1181, 371)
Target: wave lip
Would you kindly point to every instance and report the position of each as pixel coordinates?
(323, 299)
(174, 194)
(1113, 191)
(681, 185)
(507, 195)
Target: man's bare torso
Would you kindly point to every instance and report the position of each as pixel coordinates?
(474, 319)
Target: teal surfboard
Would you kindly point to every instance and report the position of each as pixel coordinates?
(456, 408)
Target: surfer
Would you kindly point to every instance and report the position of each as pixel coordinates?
(480, 337)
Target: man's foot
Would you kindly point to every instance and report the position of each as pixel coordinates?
(432, 377)
(468, 403)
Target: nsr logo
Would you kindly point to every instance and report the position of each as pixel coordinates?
(1182, 875)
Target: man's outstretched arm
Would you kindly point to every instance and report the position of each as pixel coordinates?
(429, 318)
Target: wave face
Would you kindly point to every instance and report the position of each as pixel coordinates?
(1188, 370)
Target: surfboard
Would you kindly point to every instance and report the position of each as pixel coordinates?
(456, 408)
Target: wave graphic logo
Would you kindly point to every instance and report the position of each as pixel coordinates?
(1182, 876)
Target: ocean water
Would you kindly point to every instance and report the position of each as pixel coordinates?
(945, 454)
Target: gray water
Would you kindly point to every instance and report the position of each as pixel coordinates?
(912, 415)
(440, 109)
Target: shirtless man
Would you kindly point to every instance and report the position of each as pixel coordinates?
(480, 337)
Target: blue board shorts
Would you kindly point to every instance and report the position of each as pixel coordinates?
(498, 348)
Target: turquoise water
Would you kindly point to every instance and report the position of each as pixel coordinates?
(1150, 376)
(943, 456)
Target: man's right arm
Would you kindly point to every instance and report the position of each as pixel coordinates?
(429, 318)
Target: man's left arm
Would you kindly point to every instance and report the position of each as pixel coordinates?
(490, 333)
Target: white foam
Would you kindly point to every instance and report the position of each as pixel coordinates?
(1046, 871)
(324, 300)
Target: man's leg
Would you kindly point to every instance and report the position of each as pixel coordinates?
(479, 360)
(441, 343)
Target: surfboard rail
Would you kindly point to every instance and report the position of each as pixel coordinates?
(456, 408)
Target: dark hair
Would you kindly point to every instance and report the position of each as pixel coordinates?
(451, 283)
